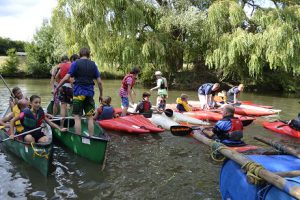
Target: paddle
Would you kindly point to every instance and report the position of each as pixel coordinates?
(21, 134)
(7, 86)
(184, 130)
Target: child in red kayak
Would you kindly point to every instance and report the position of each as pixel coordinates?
(105, 110)
(32, 118)
(144, 107)
(182, 103)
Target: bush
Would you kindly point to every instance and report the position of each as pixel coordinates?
(11, 64)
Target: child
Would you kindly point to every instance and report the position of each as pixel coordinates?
(105, 110)
(144, 107)
(18, 95)
(182, 103)
(32, 118)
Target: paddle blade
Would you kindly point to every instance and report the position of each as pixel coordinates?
(180, 130)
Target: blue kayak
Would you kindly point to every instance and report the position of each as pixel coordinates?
(234, 185)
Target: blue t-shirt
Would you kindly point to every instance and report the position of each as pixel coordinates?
(206, 89)
(85, 90)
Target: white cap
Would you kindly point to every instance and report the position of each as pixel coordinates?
(158, 73)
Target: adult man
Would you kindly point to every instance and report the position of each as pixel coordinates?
(162, 90)
(84, 72)
(126, 89)
(229, 128)
(233, 93)
(206, 92)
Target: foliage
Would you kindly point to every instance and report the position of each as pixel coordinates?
(6, 43)
(211, 39)
(42, 52)
(11, 64)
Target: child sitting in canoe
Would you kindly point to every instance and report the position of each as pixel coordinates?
(5, 121)
(295, 123)
(18, 95)
(32, 118)
(105, 110)
(144, 107)
(228, 130)
(182, 103)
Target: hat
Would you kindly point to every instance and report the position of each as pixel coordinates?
(184, 96)
(158, 73)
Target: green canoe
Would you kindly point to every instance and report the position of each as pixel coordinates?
(38, 155)
(92, 148)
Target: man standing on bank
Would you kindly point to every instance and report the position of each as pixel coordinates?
(84, 72)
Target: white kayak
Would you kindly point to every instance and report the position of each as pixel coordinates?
(163, 121)
(179, 117)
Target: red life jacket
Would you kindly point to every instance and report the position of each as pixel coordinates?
(146, 106)
(236, 125)
(124, 81)
(64, 68)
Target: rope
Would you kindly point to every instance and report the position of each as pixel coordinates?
(36, 153)
(216, 146)
(252, 170)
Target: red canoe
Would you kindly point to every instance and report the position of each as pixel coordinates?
(195, 134)
(140, 120)
(282, 128)
(258, 105)
(119, 124)
(216, 115)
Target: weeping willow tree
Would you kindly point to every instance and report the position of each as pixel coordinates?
(244, 49)
(192, 36)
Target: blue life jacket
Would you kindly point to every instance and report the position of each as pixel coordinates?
(85, 72)
(30, 121)
(235, 133)
(107, 112)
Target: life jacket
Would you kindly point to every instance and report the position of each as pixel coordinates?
(202, 88)
(85, 72)
(163, 84)
(124, 81)
(64, 68)
(30, 121)
(16, 111)
(146, 106)
(184, 104)
(106, 112)
(236, 131)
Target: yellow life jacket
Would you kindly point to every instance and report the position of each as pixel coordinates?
(18, 124)
(184, 104)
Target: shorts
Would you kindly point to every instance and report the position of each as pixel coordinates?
(66, 95)
(36, 135)
(125, 102)
(83, 103)
(163, 96)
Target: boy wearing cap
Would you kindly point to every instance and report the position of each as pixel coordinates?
(162, 93)
(127, 89)
(144, 107)
(182, 103)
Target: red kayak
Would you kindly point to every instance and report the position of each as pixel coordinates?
(140, 120)
(282, 128)
(119, 124)
(258, 105)
(216, 116)
(196, 133)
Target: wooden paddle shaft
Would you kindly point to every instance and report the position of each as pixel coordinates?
(279, 146)
(23, 133)
(268, 176)
(289, 174)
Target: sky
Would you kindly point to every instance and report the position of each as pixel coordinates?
(19, 19)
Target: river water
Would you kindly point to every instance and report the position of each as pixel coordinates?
(138, 167)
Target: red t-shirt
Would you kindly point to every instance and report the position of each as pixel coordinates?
(64, 68)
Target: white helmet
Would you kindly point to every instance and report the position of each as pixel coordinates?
(158, 73)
